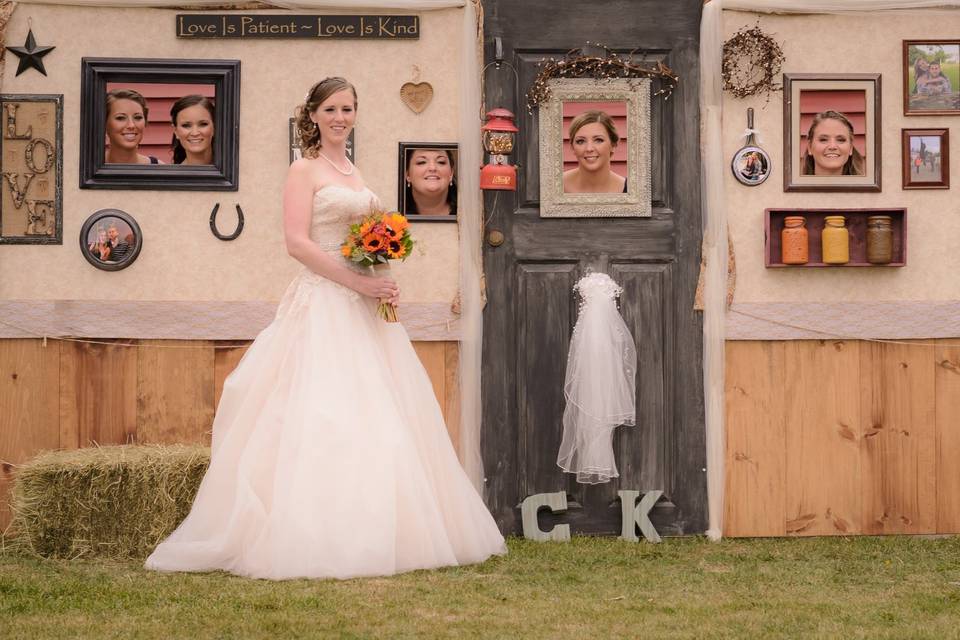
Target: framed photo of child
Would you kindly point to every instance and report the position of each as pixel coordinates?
(931, 77)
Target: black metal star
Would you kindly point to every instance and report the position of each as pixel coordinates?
(30, 54)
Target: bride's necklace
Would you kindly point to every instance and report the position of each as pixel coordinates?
(334, 164)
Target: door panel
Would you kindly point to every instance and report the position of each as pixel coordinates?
(531, 307)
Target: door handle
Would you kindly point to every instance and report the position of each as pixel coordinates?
(495, 238)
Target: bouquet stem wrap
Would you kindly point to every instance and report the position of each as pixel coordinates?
(385, 310)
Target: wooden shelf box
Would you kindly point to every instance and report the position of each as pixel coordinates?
(856, 226)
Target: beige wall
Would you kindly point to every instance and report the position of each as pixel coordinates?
(181, 260)
(861, 43)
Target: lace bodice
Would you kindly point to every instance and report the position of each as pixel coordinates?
(335, 208)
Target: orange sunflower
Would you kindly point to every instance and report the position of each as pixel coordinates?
(373, 242)
(395, 249)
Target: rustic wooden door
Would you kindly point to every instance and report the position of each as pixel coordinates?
(531, 308)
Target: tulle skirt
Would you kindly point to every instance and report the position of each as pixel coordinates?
(330, 457)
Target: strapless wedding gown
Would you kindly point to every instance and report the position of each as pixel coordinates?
(330, 457)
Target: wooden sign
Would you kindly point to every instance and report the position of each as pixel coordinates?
(206, 25)
(31, 169)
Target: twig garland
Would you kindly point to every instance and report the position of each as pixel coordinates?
(751, 63)
(609, 67)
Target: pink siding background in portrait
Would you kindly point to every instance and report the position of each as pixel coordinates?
(617, 111)
(160, 98)
(852, 104)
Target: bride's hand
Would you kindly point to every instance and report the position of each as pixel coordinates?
(378, 287)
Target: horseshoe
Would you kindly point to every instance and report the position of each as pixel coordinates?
(213, 223)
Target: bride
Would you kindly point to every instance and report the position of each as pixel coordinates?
(330, 457)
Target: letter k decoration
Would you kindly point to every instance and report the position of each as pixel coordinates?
(30, 54)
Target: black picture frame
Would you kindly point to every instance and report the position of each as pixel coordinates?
(224, 75)
(103, 217)
(403, 192)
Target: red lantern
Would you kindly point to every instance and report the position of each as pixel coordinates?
(499, 139)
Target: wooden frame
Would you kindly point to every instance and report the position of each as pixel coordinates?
(101, 222)
(839, 92)
(636, 202)
(856, 223)
(224, 75)
(927, 155)
(934, 98)
(31, 162)
(405, 199)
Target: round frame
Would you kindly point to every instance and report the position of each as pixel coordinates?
(739, 161)
(101, 218)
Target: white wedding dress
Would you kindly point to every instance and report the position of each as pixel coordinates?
(330, 457)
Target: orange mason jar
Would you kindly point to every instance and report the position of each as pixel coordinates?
(793, 240)
(835, 240)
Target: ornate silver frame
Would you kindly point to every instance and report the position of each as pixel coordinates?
(554, 203)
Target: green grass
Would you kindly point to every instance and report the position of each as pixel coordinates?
(891, 587)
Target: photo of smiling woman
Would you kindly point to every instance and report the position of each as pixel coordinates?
(192, 119)
(830, 147)
(126, 120)
(593, 139)
(431, 187)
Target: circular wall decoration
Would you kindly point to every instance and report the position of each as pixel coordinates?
(110, 239)
(751, 165)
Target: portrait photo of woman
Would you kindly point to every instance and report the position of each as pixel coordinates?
(427, 179)
(431, 188)
(192, 119)
(830, 147)
(831, 132)
(593, 138)
(126, 121)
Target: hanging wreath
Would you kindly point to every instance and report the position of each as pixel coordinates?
(751, 63)
(608, 67)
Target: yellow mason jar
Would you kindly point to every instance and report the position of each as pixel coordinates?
(835, 240)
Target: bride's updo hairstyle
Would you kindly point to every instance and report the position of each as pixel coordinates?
(318, 94)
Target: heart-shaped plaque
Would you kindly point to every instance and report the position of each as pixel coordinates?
(416, 95)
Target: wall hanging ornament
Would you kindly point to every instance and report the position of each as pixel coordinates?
(600, 383)
(751, 63)
(415, 94)
(751, 165)
(31, 55)
(31, 169)
(110, 239)
(223, 236)
(608, 66)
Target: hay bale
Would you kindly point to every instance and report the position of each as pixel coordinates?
(116, 501)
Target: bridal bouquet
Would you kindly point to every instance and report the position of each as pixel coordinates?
(374, 241)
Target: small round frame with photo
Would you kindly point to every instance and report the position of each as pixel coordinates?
(110, 239)
(751, 165)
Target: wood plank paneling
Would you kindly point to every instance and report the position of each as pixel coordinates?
(451, 388)
(822, 413)
(175, 390)
(755, 456)
(898, 456)
(29, 407)
(225, 360)
(947, 373)
(98, 393)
